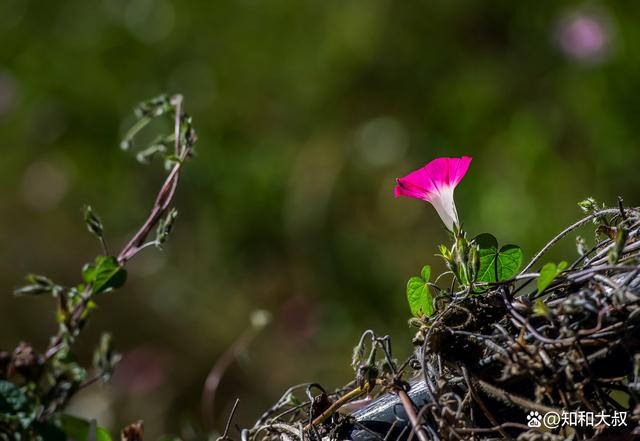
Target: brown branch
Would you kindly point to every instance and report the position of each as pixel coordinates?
(409, 408)
(219, 368)
(162, 202)
(478, 399)
(166, 193)
(335, 406)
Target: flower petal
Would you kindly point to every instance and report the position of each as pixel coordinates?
(447, 171)
(445, 206)
(457, 171)
(438, 172)
(417, 181)
(405, 187)
(435, 183)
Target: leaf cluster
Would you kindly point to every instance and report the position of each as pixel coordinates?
(475, 265)
(36, 387)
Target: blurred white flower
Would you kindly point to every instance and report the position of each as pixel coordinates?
(382, 141)
(44, 185)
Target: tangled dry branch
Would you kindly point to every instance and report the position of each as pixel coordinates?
(487, 364)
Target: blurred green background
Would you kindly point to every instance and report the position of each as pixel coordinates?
(306, 112)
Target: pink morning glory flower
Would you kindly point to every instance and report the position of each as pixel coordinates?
(435, 183)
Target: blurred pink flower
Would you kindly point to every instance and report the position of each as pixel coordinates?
(435, 183)
(585, 36)
(143, 370)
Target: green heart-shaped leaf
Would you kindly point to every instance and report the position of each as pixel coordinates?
(419, 295)
(497, 264)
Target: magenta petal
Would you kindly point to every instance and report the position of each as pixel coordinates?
(420, 179)
(447, 171)
(439, 173)
(461, 166)
(435, 183)
(407, 187)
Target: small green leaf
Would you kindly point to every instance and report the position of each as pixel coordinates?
(165, 226)
(37, 285)
(588, 205)
(105, 358)
(549, 272)
(540, 308)
(93, 222)
(293, 400)
(444, 252)
(419, 295)
(357, 356)
(426, 273)
(12, 400)
(105, 274)
(77, 429)
(615, 253)
(145, 156)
